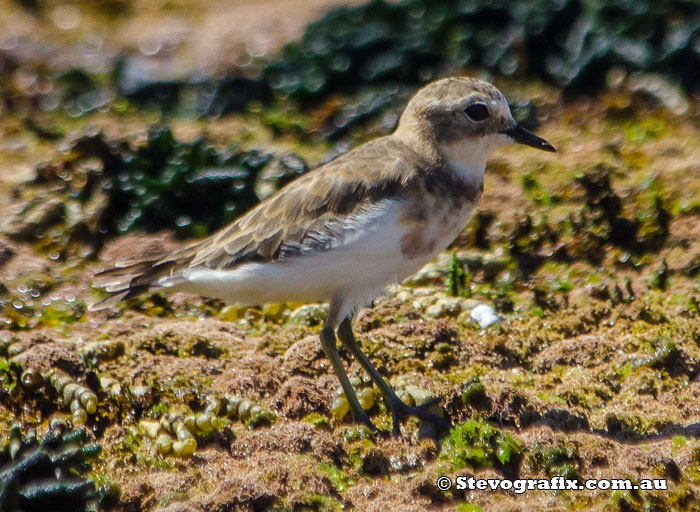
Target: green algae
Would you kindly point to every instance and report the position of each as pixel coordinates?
(556, 460)
(336, 476)
(323, 502)
(478, 444)
(27, 310)
(469, 507)
(458, 279)
(317, 420)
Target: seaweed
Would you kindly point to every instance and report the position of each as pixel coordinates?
(159, 183)
(601, 224)
(22, 311)
(557, 461)
(568, 42)
(603, 217)
(457, 279)
(50, 475)
(191, 187)
(210, 97)
(478, 444)
(532, 242)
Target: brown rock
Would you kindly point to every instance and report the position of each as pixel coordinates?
(298, 357)
(298, 397)
(239, 493)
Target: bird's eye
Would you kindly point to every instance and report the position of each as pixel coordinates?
(477, 111)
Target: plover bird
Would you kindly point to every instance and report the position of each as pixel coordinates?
(342, 232)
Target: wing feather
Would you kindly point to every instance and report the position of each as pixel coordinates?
(310, 214)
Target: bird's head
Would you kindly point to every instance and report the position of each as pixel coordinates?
(464, 117)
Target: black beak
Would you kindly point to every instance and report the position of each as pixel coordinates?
(523, 136)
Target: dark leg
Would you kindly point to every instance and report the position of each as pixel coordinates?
(399, 409)
(328, 342)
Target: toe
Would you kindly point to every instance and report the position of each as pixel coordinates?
(429, 403)
(400, 410)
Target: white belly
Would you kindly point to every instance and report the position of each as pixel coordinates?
(356, 270)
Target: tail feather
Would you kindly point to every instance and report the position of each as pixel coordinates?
(130, 280)
(115, 299)
(121, 275)
(110, 302)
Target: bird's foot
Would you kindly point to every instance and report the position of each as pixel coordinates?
(401, 411)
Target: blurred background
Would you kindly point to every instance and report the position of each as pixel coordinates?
(131, 127)
(322, 72)
(212, 58)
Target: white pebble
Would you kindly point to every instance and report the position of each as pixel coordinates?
(484, 315)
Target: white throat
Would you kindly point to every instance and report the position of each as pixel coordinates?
(467, 157)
